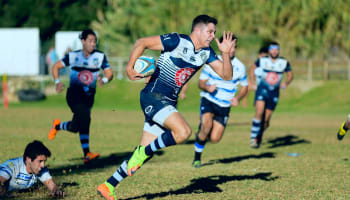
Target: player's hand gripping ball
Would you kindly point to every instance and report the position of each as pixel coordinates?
(145, 65)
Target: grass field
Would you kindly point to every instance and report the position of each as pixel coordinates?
(304, 123)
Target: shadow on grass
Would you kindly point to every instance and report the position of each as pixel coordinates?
(114, 159)
(287, 140)
(207, 185)
(240, 158)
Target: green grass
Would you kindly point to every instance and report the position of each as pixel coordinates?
(304, 123)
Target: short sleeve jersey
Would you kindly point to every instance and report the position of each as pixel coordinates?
(15, 171)
(84, 71)
(271, 73)
(225, 90)
(178, 62)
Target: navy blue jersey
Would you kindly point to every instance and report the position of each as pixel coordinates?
(270, 72)
(178, 62)
(84, 71)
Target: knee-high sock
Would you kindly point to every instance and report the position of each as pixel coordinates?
(119, 175)
(198, 148)
(256, 126)
(165, 140)
(84, 140)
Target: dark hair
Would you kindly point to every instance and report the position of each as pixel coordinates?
(203, 19)
(274, 43)
(233, 37)
(264, 49)
(84, 34)
(35, 149)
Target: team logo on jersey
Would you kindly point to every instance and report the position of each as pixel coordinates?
(95, 61)
(182, 75)
(148, 109)
(203, 56)
(272, 78)
(185, 50)
(85, 77)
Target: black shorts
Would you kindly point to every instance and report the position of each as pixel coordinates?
(77, 96)
(221, 114)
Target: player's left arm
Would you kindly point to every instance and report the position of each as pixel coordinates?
(108, 76)
(152, 43)
(242, 93)
(288, 80)
(55, 191)
(224, 68)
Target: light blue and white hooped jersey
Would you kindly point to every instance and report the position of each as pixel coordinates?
(225, 90)
(15, 171)
(178, 62)
(84, 71)
(271, 73)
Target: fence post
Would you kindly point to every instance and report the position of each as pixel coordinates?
(325, 70)
(309, 70)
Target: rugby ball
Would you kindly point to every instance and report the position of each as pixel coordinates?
(145, 65)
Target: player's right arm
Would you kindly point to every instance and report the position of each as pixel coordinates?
(55, 73)
(152, 43)
(3, 188)
(202, 84)
(252, 82)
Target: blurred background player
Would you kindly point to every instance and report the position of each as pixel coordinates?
(343, 128)
(181, 57)
(218, 96)
(85, 67)
(23, 172)
(267, 92)
(263, 52)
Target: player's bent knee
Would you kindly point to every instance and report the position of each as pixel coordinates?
(182, 134)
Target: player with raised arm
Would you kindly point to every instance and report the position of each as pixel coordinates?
(23, 172)
(218, 95)
(182, 56)
(271, 68)
(85, 67)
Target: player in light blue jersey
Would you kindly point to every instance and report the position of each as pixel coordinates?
(181, 56)
(345, 126)
(85, 67)
(218, 96)
(23, 172)
(271, 70)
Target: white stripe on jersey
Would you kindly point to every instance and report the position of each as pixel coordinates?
(225, 90)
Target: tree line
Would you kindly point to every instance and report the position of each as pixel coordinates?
(312, 28)
(304, 29)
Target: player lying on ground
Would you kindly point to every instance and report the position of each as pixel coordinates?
(182, 56)
(23, 172)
